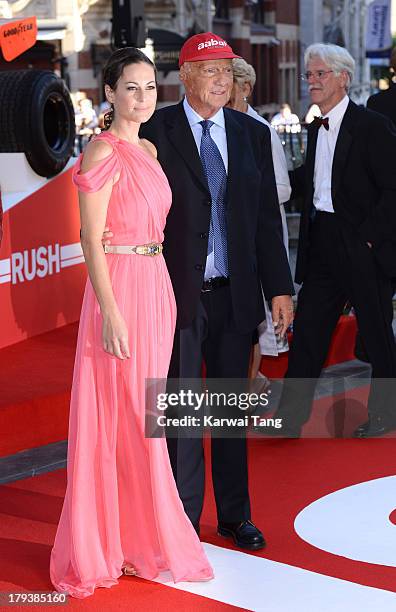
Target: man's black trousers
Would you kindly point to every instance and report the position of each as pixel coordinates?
(341, 268)
(212, 337)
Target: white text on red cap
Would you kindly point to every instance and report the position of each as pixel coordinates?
(212, 43)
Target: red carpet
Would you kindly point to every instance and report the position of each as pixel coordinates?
(286, 475)
(35, 379)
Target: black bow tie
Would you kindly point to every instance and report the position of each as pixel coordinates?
(321, 121)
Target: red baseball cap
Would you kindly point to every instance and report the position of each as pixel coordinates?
(205, 46)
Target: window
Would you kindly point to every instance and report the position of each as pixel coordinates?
(221, 9)
(257, 11)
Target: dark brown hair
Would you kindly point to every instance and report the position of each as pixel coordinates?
(113, 70)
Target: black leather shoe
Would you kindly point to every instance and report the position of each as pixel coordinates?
(362, 428)
(373, 429)
(244, 534)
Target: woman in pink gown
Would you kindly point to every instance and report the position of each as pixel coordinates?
(122, 512)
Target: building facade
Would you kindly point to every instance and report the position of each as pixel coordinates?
(77, 37)
(266, 33)
(341, 22)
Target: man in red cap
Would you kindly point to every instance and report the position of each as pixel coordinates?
(223, 237)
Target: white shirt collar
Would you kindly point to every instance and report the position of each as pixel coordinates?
(337, 113)
(193, 118)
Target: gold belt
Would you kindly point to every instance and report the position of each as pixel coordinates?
(144, 249)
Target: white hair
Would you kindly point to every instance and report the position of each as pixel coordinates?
(243, 71)
(335, 57)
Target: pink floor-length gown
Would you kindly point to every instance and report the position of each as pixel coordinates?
(121, 504)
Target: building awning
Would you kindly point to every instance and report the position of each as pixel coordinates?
(50, 29)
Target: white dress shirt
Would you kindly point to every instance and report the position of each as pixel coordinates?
(325, 147)
(218, 134)
(279, 159)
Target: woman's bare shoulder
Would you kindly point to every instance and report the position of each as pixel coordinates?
(149, 146)
(95, 151)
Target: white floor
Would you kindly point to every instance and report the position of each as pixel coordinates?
(254, 583)
(354, 522)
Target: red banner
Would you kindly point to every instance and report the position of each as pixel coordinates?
(42, 274)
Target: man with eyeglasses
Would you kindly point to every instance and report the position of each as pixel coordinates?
(223, 238)
(347, 247)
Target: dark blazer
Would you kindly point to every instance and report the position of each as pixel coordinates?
(363, 185)
(384, 102)
(254, 228)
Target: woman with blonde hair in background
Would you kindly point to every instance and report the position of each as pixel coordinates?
(244, 81)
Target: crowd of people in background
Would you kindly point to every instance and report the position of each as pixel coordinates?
(89, 120)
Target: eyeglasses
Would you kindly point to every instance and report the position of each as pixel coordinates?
(318, 74)
(210, 71)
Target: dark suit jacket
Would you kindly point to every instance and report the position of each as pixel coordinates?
(254, 229)
(363, 185)
(384, 102)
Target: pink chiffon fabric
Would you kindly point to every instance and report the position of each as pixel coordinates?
(121, 504)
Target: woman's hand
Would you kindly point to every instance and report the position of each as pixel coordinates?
(107, 234)
(115, 336)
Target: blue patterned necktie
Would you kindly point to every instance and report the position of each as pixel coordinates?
(216, 176)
